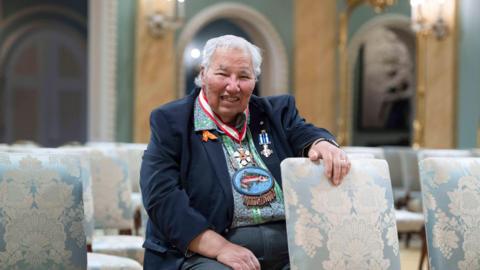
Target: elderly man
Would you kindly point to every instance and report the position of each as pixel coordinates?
(210, 176)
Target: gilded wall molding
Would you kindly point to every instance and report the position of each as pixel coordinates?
(315, 64)
(154, 68)
(437, 79)
(258, 27)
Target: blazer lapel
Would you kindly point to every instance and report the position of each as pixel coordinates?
(216, 158)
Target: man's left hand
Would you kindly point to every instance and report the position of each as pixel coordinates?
(335, 160)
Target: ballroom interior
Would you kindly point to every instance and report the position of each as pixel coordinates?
(395, 80)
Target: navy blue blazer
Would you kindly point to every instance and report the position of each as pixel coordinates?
(185, 183)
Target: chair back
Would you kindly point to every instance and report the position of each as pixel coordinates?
(377, 152)
(409, 163)
(41, 212)
(426, 153)
(350, 226)
(111, 188)
(451, 196)
(134, 160)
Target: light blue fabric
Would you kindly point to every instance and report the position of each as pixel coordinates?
(451, 197)
(111, 188)
(351, 226)
(41, 212)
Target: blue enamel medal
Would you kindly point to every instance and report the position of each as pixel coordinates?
(264, 141)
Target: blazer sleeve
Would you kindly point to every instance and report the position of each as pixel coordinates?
(167, 204)
(300, 134)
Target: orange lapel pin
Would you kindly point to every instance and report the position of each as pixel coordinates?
(207, 135)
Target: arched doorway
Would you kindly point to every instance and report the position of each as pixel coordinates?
(43, 93)
(274, 77)
(382, 79)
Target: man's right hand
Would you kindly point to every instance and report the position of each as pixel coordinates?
(238, 257)
(212, 245)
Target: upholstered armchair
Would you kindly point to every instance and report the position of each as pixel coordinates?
(451, 195)
(41, 212)
(71, 155)
(351, 226)
(113, 206)
(134, 160)
(416, 202)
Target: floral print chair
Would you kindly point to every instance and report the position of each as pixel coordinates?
(351, 226)
(96, 261)
(113, 207)
(41, 212)
(134, 161)
(451, 196)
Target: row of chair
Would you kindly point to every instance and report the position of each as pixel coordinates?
(355, 225)
(40, 178)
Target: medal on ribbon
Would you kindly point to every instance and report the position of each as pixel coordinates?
(264, 141)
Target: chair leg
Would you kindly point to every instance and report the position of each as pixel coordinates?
(424, 248)
(137, 221)
(125, 232)
(408, 236)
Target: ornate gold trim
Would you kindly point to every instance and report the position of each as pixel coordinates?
(456, 44)
(421, 66)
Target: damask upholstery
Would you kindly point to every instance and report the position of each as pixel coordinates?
(451, 195)
(411, 178)
(392, 156)
(121, 246)
(41, 212)
(376, 151)
(98, 261)
(113, 203)
(84, 161)
(426, 153)
(416, 203)
(351, 226)
(359, 155)
(111, 189)
(134, 161)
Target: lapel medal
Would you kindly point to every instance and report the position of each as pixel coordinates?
(242, 157)
(264, 141)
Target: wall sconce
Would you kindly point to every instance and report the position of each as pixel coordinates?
(380, 5)
(159, 22)
(427, 17)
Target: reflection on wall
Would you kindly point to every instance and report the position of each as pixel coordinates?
(384, 87)
(387, 88)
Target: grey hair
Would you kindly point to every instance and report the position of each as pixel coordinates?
(229, 41)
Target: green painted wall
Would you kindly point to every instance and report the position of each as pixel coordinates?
(278, 12)
(126, 17)
(469, 74)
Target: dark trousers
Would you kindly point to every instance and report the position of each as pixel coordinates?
(267, 241)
